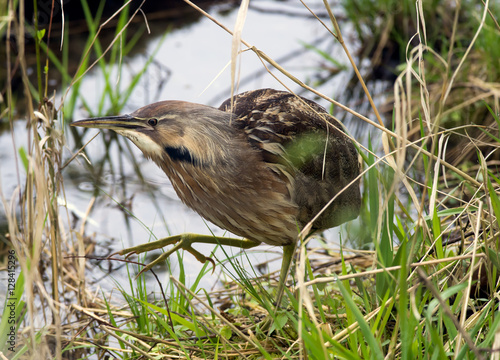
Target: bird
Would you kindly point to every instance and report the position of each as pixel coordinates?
(263, 165)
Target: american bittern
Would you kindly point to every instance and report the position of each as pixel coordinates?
(262, 171)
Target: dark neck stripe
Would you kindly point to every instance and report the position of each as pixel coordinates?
(181, 154)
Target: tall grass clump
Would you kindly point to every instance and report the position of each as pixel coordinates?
(39, 229)
(43, 314)
(430, 213)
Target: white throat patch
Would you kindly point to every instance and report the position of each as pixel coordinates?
(143, 142)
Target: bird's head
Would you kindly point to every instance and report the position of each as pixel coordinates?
(182, 131)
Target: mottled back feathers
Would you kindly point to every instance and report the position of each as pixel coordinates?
(300, 138)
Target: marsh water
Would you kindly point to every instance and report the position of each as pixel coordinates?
(133, 201)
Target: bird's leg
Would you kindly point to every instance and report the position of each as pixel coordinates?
(184, 241)
(288, 252)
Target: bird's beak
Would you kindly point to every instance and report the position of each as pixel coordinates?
(120, 122)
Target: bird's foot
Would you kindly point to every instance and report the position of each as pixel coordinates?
(182, 241)
(271, 324)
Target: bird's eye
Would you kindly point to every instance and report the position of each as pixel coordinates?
(153, 122)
